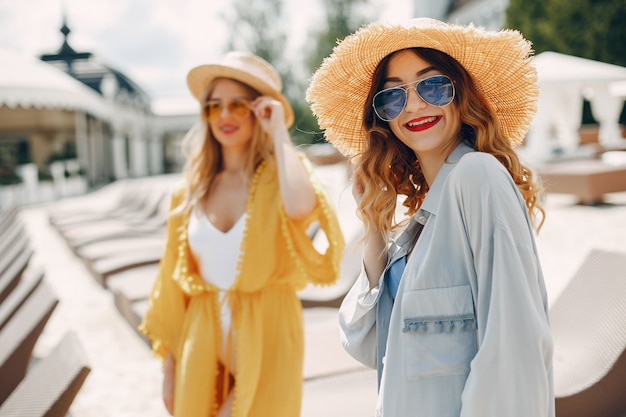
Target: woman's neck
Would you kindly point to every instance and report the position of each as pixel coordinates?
(431, 162)
(430, 168)
(234, 161)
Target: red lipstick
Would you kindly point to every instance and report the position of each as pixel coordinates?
(228, 128)
(422, 123)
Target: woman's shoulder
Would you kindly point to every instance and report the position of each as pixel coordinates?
(478, 160)
(478, 169)
(479, 163)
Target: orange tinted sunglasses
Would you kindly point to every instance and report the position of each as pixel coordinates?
(238, 107)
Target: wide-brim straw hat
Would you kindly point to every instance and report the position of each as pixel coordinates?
(244, 67)
(500, 64)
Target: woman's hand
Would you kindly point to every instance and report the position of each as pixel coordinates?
(169, 379)
(270, 113)
(296, 190)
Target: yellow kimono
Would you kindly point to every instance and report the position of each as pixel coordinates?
(276, 260)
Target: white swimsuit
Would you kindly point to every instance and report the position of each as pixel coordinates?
(217, 254)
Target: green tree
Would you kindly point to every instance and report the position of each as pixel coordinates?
(259, 27)
(341, 17)
(592, 29)
(529, 17)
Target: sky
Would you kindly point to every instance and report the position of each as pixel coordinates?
(154, 42)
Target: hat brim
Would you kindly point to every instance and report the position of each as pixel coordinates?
(499, 63)
(201, 76)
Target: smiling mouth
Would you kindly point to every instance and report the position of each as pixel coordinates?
(228, 128)
(422, 124)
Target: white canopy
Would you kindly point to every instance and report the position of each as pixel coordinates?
(618, 89)
(564, 81)
(28, 82)
(556, 68)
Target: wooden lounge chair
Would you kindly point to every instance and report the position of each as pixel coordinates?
(119, 199)
(588, 322)
(19, 295)
(52, 383)
(19, 335)
(13, 262)
(132, 286)
(130, 290)
(113, 247)
(147, 199)
(101, 269)
(9, 235)
(151, 208)
(7, 217)
(589, 180)
(96, 232)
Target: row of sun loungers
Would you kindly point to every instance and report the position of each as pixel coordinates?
(126, 263)
(121, 244)
(127, 235)
(31, 386)
(588, 319)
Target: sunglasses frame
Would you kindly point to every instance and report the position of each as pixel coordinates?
(405, 87)
(229, 103)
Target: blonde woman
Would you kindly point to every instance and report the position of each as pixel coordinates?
(224, 315)
(453, 311)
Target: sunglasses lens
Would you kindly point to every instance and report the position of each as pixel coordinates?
(437, 90)
(212, 110)
(388, 104)
(237, 108)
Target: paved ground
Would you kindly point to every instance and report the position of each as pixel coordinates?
(125, 378)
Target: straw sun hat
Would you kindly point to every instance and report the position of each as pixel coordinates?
(499, 63)
(244, 67)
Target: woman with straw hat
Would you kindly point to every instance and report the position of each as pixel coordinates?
(224, 315)
(452, 311)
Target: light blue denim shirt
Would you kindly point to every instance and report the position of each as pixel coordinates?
(468, 333)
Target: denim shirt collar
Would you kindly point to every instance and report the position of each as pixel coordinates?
(430, 204)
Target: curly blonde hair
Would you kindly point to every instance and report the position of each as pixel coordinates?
(389, 165)
(204, 153)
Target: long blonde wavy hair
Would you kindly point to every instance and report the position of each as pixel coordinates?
(388, 168)
(203, 153)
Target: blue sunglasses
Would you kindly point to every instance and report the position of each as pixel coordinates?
(437, 90)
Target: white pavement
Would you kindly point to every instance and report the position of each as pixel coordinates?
(125, 378)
